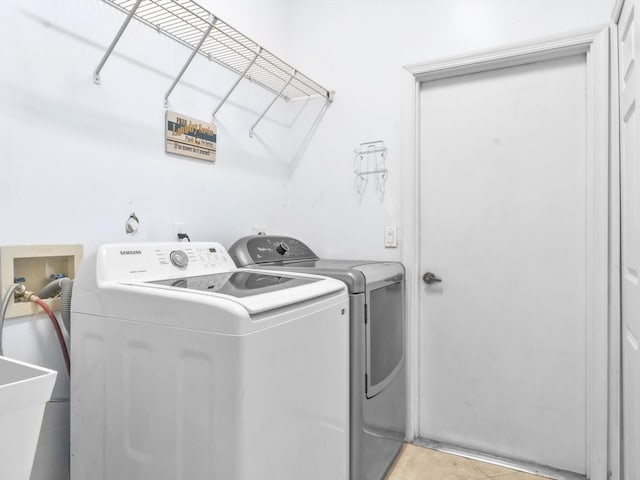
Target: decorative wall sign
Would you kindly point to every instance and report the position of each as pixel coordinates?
(190, 137)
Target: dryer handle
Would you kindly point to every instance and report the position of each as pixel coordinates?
(395, 279)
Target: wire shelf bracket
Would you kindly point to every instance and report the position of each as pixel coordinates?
(235, 84)
(107, 54)
(271, 104)
(213, 21)
(189, 24)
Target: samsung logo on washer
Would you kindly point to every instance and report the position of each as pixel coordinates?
(130, 252)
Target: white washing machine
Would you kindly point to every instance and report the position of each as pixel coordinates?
(185, 368)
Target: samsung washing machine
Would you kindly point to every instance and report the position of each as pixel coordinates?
(378, 385)
(186, 368)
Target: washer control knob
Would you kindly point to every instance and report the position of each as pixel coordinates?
(179, 258)
(282, 248)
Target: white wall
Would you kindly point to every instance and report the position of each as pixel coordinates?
(358, 48)
(96, 152)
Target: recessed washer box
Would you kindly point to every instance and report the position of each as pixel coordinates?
(36, 264)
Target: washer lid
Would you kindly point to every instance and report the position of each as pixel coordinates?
(255, 291)
(237, 284)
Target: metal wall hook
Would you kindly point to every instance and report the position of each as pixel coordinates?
(132, 224)
(361, 184)
(370, 159)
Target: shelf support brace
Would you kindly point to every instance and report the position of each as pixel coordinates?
(237, 82)
(293, 74)
(107, 54)
(188, 62)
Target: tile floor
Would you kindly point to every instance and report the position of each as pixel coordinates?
(418, 463)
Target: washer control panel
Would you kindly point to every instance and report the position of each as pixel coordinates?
(161, 260)
(179, 258)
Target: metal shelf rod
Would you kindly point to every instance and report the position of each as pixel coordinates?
(371, 172)
(188, 62)
(107, 54)
(235, 84)
(271, 104)
(371, 150)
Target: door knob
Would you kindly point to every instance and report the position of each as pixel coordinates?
(430, 278)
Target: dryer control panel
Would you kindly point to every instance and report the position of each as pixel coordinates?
(145, 261)
(257, 249)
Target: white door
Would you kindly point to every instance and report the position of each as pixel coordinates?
(630, 262)
(503, 224)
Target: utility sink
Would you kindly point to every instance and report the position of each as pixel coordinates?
(24, 392)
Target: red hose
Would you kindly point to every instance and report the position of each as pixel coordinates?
(56, 327)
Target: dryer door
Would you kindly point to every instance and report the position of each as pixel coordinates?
(384, 335)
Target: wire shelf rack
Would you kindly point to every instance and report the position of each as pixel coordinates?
(198, 29)
(370, 159)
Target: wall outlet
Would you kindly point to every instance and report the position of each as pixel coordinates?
(178, 227)
(36, 264)
(259, 230)
(390, 237)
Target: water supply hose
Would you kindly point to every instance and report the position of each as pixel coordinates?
(5, 304)
(66, 291)
(56, 327)
(64, 287)
(30, 296)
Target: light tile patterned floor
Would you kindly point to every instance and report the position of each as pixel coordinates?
(418, 463)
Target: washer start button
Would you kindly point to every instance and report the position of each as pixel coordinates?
(179, 258)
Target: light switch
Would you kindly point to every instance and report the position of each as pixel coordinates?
(390, 237)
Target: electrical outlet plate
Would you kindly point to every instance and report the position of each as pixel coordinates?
(390, 237)
(36, 263)
(178, 227)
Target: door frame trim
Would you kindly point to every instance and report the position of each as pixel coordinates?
(615, 285)
(617, 10)
(594, 43)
